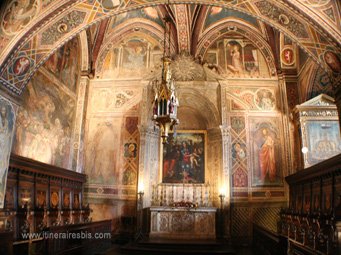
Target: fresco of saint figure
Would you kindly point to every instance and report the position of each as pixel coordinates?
(267, 158)
(6, 128)
(129, 177)
(101, 154)
(130, 150)
(235, 65)
(135, 57)
(265, 100)
(333, 61)
(265, 153)
(238, 151)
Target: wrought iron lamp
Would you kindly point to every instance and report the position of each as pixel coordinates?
(165, 101)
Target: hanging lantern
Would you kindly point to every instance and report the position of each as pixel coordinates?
(165, 101)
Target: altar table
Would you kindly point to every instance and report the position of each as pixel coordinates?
(182, 222)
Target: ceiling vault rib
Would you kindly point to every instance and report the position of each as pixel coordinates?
(98, 42)
(198, 25)
(166, 11)
(183, 27)
(50, 29)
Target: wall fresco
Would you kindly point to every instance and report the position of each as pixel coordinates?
(18, 14)
(149, 13)
(255, 147)
(294, 23)
(101, 156)
(129, 59)
(239, 152)
(112, 144)
(7, 120)
(236, 58)
(216, 14)
(64, 64)
(112, 157)
(321, 84)
(266, 153)
(255, 99)
(45, 123)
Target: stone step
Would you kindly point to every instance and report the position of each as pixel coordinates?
(162, 246)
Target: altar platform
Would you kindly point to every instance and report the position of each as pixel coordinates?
(157, 246)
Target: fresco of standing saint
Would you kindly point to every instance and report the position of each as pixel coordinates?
(7, 119)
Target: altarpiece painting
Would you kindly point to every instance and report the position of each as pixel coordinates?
(184, 157)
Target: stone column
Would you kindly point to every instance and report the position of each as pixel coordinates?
(149, 155)
(226, 179)
(288, 128)
(214, 164)
(338, 99)
(77, 150)
(148, 162)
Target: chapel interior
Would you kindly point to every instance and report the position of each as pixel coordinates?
(170, 127)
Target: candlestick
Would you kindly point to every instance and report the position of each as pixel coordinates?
(153, 194)
(172, 193)
(161, 198)
(183, 191)
(221, 197)
(201, 198)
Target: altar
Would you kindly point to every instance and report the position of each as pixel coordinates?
(182, 222)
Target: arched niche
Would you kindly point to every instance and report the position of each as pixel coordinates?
(198, 113)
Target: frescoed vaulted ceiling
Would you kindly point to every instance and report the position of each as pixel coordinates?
(32, 30)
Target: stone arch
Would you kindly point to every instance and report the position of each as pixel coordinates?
(85, 60)
(194, 99)
(298, 28)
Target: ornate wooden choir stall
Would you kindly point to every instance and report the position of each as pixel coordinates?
(312, 223)
(42, 202)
